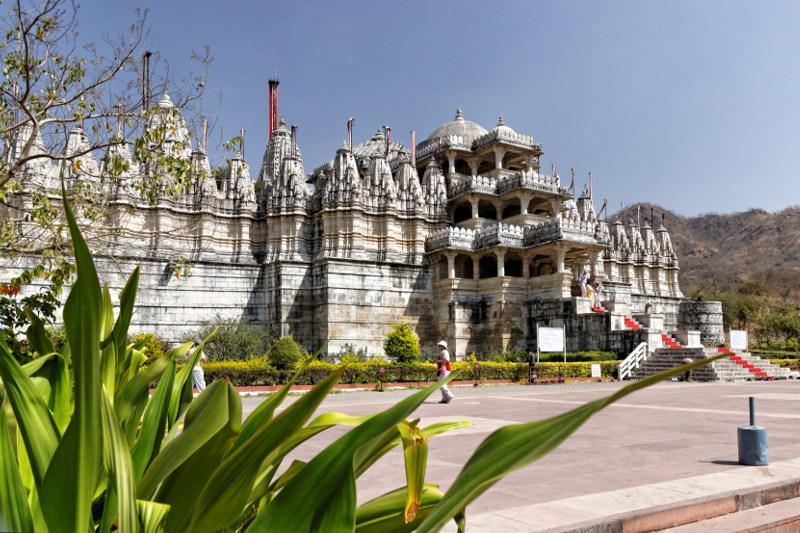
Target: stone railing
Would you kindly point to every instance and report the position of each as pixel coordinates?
(505, 136)
(451, 237)
(479, 184)
(529, 180)
(542, 233)
(560, 229)
(427, 147)
(504, 234)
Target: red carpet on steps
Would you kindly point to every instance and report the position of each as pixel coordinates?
(629, 322)
(743, 363)
(666, 339)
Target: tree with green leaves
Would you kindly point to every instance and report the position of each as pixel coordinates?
(65, 105)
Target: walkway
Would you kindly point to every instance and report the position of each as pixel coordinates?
(673, 442)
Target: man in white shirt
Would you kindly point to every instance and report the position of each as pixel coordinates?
(443, 370)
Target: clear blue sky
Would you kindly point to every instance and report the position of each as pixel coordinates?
(694, 105)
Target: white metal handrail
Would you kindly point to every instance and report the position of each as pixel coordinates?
(637, 356)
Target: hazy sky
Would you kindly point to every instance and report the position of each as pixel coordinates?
(694, 105)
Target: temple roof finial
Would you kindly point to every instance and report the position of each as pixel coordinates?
(459, 114)
(165, 101)
(501, 122)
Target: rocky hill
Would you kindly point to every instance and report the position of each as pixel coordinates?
(753, 251)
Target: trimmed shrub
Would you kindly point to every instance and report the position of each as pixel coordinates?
(402, 344)
(792, 364)
(285, 353)
(154, 347)
(775, 354)
(235, 339)
(521, 356)
(258, 371)
(577, 357)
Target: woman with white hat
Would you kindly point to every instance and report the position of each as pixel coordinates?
(443, 370)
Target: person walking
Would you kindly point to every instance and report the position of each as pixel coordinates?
(443, 370)
(198, 376)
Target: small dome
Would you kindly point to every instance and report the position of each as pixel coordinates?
(166, 101)
(502, 128)
(460, 126)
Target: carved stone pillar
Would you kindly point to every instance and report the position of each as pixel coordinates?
(498, 157)
(451, 160)
(524, 202)
(451, 265)
(474, 203)
(498, 210)
(473, 166)
(561, 255)
(501, 265)
(476, 267)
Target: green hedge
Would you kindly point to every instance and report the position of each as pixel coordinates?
(793, 364)
(776, 354)
(577, 357)
(259, 372)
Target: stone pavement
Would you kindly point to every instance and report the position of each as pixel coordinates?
(672, 442)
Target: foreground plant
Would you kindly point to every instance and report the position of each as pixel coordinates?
(84, 447)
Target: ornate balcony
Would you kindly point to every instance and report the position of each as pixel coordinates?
(451, 237)
(500, 234)
(474, 184)
(530, 180)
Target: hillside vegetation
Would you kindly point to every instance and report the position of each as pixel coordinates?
(749, 260)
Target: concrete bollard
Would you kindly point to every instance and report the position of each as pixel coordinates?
(753, 441)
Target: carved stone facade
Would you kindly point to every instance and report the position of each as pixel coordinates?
(463, 236)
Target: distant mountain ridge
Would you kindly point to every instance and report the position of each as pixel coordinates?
(751, 251)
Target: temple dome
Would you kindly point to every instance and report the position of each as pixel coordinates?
(501, 128)
(460, 126)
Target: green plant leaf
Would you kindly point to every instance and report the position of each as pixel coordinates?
(37, 334)
(387, 512)
(227, 492)
(135, 391)
(108, 353)
(117, 460)
(263, 413)
(218, 407)
(35, 423)
(182, 388)
(53, 368)
(154, 423)
(119, 335)
(15, 514)
(415, 455)
(270, 465)
(184, 484)
(152, 515)
(303, 503)
(517, 445)
(66, 495)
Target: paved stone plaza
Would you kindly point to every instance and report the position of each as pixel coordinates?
(662, 436)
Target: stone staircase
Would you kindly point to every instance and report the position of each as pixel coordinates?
(738, 367)
(760, 366)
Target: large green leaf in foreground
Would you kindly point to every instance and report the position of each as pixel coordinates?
(515, 446)
(322, 495)
(66, 495)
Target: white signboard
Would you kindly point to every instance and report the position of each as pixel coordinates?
(596, 371)
(551, 339)
(738, 339)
